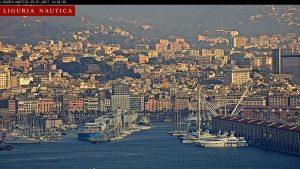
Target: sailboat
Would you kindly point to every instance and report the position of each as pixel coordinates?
(178, 132)
(17, 137)
(188, 138)
(197, 136)
(3, 145)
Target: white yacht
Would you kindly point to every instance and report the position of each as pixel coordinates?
(196, 138)
(143, 127)
(230, 141)
(177, 133)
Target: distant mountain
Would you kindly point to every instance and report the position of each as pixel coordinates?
(162, 20)
(187, 19)
(33, 29)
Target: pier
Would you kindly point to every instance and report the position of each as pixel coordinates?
(263, 134)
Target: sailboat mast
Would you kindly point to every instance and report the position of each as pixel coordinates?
(180, 120)
(225, 106)
(199, 118)
(176, 120)
(203, 117)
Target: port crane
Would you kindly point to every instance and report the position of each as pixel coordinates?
(236, 111)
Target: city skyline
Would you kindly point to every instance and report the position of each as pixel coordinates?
(102, 78)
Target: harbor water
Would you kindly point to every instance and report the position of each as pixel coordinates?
(153, 149)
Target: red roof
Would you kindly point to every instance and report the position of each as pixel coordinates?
(260, 123)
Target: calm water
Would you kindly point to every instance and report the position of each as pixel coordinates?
(153, 149)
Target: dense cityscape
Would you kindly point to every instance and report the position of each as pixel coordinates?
(241, 83)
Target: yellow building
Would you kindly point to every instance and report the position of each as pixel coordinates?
(25, 80)
(152, 53)
(67, 59)
(4, 80)
(239, 41)
(235, 76)
(143, 59)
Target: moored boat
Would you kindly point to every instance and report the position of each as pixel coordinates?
(21, 140)
(229, 141)
(91, 130)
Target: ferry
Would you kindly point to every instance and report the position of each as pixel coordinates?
(91, 130)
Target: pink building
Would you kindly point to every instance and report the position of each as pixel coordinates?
(181, 103)
(22, 64)
(45, 105)
(12, 106)
(73, 104)
(151, 105)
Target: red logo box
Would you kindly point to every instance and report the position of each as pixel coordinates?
(37, 10)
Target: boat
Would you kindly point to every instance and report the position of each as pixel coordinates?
(144, 127)
(167, 120)
(178, 131)
(21, 140)
(188, 139)
(230, 141)
(134, 128)
(6, 147)
(195, 137)
(91, 130)
(50, 137)
(99, 138)
(100, 141)
(3, 145)
(86, 135)
(71, 126)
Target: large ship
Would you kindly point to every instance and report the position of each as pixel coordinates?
(91, 130)
(230, 141)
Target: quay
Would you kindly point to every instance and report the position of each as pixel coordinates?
(263, 134)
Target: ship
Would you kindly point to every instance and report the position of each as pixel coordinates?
(91, 130)
(100, 138)
(195, 137)
(219, 142)
(179, 132)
